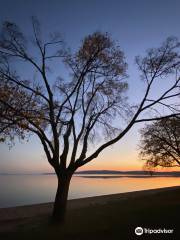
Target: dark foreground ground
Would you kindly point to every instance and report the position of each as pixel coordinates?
(107, 217)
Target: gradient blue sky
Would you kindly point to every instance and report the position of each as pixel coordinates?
(136, 25)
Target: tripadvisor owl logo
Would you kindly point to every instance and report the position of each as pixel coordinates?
(139, 231)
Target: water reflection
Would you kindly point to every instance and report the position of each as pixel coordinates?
(28, 189)
(119, 176)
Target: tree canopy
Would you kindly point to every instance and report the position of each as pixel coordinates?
(160, 143)
(88, 104)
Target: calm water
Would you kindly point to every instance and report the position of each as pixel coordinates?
(29, 189)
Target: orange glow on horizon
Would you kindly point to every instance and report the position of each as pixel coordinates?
(132, 168)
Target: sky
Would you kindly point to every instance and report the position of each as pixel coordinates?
(136, 25)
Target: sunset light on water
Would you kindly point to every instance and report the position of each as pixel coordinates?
(28, 189)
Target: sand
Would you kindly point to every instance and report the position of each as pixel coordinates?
(13, 214)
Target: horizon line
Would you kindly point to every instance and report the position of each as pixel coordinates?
(86, 171)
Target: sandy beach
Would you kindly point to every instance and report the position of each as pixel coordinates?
(13, 218)
(36, 210)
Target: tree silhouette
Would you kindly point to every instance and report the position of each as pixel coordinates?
(88, 105)
(160, 143)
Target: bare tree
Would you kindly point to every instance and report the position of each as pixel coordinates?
(67, 115)
(160, 143)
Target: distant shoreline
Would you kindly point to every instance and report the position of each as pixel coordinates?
(107, 172)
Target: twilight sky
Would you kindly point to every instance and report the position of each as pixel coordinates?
(136, 25)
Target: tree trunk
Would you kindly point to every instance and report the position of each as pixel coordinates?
(60, 204)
